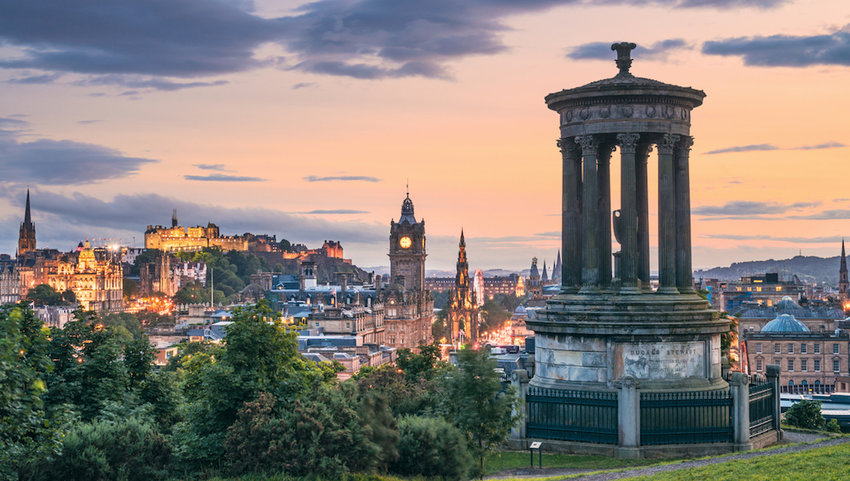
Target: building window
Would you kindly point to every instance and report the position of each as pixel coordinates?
(758, 347)
(776, 348)
(790, 364)
(817, 348)
(790, 348)
(758, 365)
(778, 288)
(835, 348)
(817, 364)
(835, 365)
(803, 365)
(803, 348)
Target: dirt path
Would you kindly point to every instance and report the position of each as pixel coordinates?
(650, 470)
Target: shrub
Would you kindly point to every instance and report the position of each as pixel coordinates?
(805, 414)
(833, 426)
(126, 450)
(431, 447)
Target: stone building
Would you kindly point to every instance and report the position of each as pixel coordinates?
(178, 238)
(408, 305)
(26, 235)
(10, 281)
(534, 285)
(95, 275)
(767, 289)
(810, 361)
(462, 314)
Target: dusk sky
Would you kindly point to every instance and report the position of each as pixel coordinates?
(307, 119)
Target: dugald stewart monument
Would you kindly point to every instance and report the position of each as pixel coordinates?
(621, 368)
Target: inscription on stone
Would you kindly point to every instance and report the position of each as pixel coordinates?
(661, 360)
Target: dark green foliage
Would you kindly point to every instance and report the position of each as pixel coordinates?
(494, 316)
(284, 245)
(422, 365)
(260, 355)
(440, 329)
(473, 398)
(833, 426)
(27, 432)
(805, 414)
(128, 449)
(431, 447)
(321, 434)
(146, 256)
(403, 396)
(195, 293)
(44, 295)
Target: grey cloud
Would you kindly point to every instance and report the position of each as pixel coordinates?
(342, 178)
(742, 208)
(198, 38)
(827, 145)
(796, 240)
(218, 167)
(767, 147)
(136, 82)
(63, 162)
(744, 148)
(6, 122)
(224, 178)
(786, 50)
(831, 214)
(335, 211)
(602, 50)
(132, 212)
(35, 79)
(302, 85)
(88, 122)
(553, 233)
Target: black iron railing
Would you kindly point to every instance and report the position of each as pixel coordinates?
(762, 406)
(685, 417)
(587, 416)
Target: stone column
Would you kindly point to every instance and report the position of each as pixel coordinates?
(642, 191)
(628, 414)
(628, 214)
(604, 200)
(740, 411)
(571, 215)
(684, 272)
(589, 214)
(603, 172)
(666, 216)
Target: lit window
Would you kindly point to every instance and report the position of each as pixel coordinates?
(778, 288)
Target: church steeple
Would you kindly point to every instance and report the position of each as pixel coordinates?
(843, 282)
(26, 235)
(462, 278)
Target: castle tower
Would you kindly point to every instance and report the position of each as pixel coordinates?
(407, 249)
(462, 311)
(26, 236)
(556, 270)
(843, 283)
(174, 219)
(533, 285)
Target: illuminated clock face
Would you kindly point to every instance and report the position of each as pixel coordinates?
(404, 242)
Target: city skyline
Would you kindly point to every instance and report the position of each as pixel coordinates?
(272, 128)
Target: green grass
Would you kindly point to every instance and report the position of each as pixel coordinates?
(506, 460)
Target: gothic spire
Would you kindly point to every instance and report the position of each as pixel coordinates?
(462, 241)
(27, 216)
(843, 267)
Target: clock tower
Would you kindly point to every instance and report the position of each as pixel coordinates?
(407, 249)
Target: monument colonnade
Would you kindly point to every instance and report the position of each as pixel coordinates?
(586, 213)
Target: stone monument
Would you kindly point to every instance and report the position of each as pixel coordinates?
(608, 331)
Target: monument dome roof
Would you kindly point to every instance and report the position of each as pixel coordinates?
(785, 323)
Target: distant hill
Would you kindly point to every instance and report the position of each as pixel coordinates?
(807, 268)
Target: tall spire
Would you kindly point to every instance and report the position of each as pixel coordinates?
(27, 215)
(843, 281)
(462, 241)
(843, 257)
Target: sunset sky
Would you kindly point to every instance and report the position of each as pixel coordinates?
(307, 119)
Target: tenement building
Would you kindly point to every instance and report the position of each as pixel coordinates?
(10, 281)
(95, 275)
(408, 305)
(621, 368)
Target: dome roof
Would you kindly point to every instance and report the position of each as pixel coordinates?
(783, 324)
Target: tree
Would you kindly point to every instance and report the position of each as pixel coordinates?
(431, 447)
(494, 315)
(44, 295)
(285, 245)
(423, 365)
(474, 400)
(805, 414)
(28, 433)
(196, 293)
